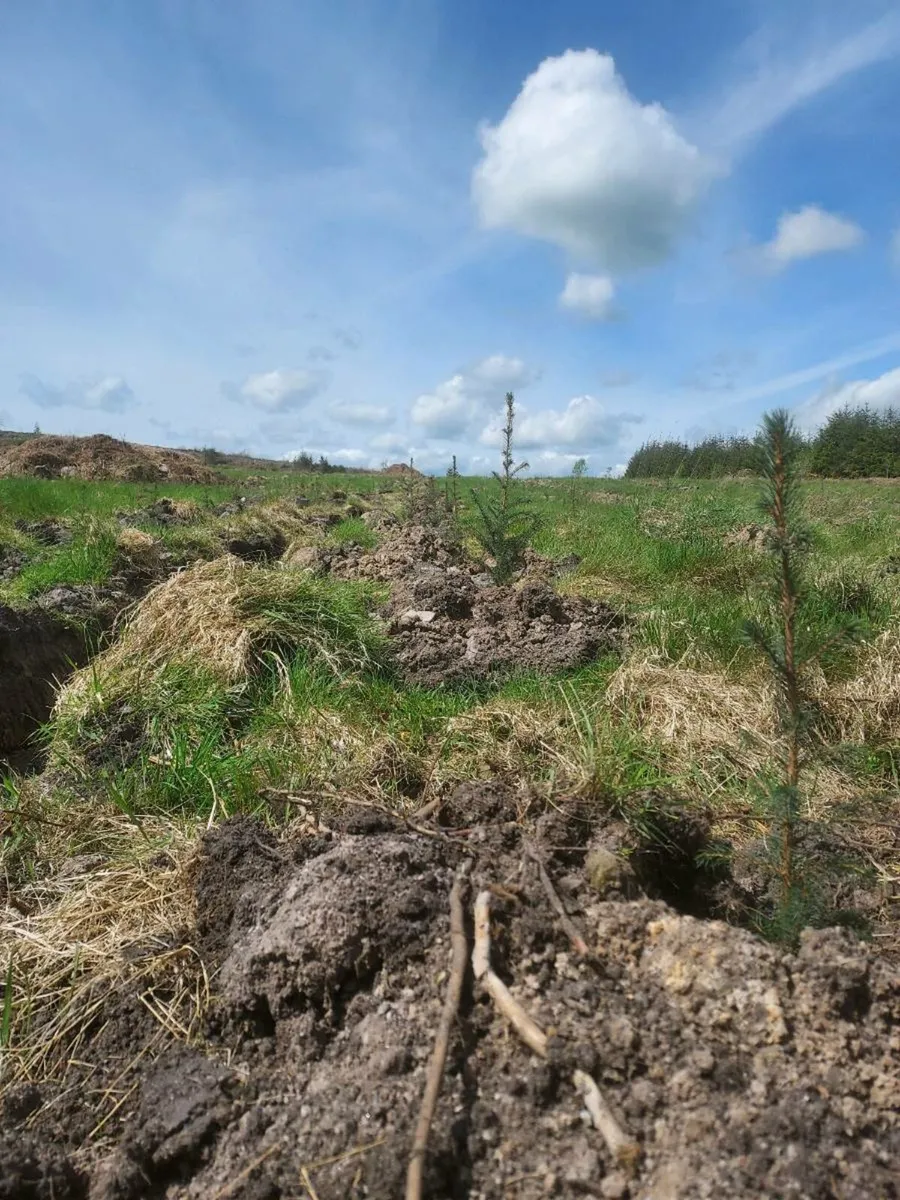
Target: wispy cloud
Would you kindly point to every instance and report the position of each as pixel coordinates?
(827, 368)
(777, 82)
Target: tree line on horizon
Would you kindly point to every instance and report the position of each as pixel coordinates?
(853, 443)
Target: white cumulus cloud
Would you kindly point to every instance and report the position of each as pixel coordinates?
(579, 162)
(879, 393)
(454, 405)
(280, 390)
(808, 232)
(589, 295)
(585, 422)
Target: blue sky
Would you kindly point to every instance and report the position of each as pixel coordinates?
(352, 227)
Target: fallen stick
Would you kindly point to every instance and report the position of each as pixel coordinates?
(572, 931)
(623, 1149)
(530, 1033)
(435, 1071)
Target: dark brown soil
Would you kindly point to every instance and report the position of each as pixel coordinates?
(37, 649)
(258, 546)
(163, 511)
(741, 1070)
(12, 560)
(445, 628)
(48, 531)
(448, 623)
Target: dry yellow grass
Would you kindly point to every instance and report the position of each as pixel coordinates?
(82, 933)
(190, 619)
(866, 708)
(721, 730)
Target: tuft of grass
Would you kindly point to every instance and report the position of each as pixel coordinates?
(353, 530)
(88, 559)
(159, 716)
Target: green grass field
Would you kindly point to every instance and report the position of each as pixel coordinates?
(687, 708)
(664, 555)
(258, 688)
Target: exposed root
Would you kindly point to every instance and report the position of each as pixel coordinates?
(624, 1149)
(572, 932)
(442, 1041)
(530, 1033)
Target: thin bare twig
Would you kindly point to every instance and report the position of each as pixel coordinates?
(530, 1033)
(435, 1072)
(572, 931)
(308, 1184)
(623, 1148)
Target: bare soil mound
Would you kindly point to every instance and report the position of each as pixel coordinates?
(402, 469)
(446, 628)
(102, 457)
(448, 623)
(737, 1069)
(12, 560)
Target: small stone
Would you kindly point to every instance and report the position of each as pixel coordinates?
(603, 869)
(614, 1186)
(415, 616)
(621, 1033)
(704, 1061)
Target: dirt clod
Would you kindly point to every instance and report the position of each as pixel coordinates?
(740, 1069)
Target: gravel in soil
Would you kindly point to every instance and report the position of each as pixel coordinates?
(740, 1069)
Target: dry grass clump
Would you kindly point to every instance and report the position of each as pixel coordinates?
(135, 543)
(696, 713)
(722, 732)
(866, 707)
(186, 510)
(278, 516)
(95, 928)
(221, 618)
(192, 619)
(504, 739)
(138, 551)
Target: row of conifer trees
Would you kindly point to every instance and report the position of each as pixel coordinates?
(853, 443)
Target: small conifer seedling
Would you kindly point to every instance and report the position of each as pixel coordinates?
(790, 650)
(504, 523)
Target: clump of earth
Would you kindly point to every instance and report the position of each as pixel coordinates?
(448, 622)
(739, 1069)
(12, 560)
